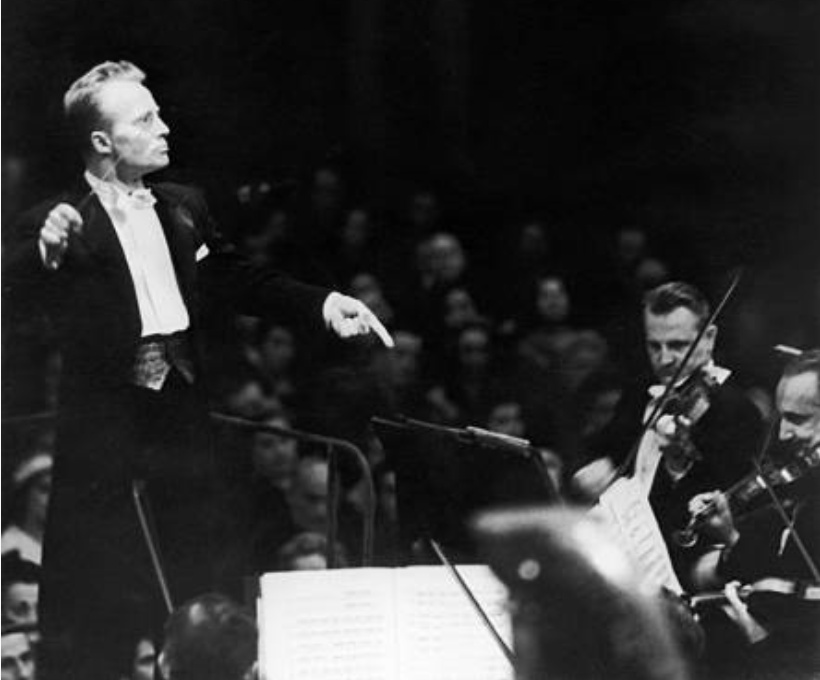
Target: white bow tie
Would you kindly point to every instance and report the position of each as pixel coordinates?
(141, 198)
(119, 199)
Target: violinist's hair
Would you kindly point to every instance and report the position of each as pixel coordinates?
(80, 102)
(668, 297)
(807, 362)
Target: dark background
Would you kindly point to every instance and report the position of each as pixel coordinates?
(695, 120)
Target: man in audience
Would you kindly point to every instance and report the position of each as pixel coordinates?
(17, 652)
(20, 590)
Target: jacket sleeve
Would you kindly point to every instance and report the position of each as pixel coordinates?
(226, 278)
(25, 279)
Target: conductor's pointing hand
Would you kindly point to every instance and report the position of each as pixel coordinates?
(349, 317)
(60, 224)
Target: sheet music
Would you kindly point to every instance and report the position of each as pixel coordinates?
(328, 625)
(410, 623)
(627, 515)
(442, 636)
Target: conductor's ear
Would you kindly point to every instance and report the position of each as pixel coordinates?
(101, 142)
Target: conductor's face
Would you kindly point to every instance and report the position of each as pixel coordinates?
(134, 134)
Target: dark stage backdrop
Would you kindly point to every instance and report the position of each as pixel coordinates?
(697, 120)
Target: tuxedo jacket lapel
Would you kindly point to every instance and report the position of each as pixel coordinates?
(180, 235)
(98, 241)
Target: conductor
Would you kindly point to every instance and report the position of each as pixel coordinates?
(122, 266)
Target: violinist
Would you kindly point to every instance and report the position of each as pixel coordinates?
(774, 551)
(704, 435)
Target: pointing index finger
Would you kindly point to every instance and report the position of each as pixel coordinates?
(378, 328)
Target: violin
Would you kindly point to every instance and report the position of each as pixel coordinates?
(681, 409)
(746, 490)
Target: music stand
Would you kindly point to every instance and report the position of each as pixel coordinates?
(445, 475)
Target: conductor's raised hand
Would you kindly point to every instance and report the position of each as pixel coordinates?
(349, 317)
(56, 232)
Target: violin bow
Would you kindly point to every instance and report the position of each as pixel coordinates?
(657, 410)
(788, 522)
(485, 619)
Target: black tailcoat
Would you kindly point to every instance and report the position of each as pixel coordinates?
(96, 564)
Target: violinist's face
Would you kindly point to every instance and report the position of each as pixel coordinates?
(668, 337)
(798, 402)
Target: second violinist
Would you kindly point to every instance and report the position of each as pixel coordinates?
(772, 552)
(703, 438)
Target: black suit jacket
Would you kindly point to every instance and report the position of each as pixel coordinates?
(91, 297)
(728, 436)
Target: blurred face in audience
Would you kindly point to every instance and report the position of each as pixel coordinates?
(447, 260)
(327, 189)
(423, 210)
(308, 496)
(631, 245)
(250, 401)
(20, 603)
(668, 337)
(357, 228)
(585, 355)
(368, 289)
(506, 419)
(474, 349)
(553, 300)
(274, 456)
(38, 495)
(601, 411)
(277, 349)
(459, 308)
(533, 243)
(406, 356)
(17, 657)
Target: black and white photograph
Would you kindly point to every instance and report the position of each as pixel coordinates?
(419, 340)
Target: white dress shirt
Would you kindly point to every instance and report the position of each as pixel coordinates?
(162, 310)
(649, 453)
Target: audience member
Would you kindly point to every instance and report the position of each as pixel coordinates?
(275, 456)
(307, 552)
(209, 638)
(21, 586)
(18, 657)
(30, 496)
